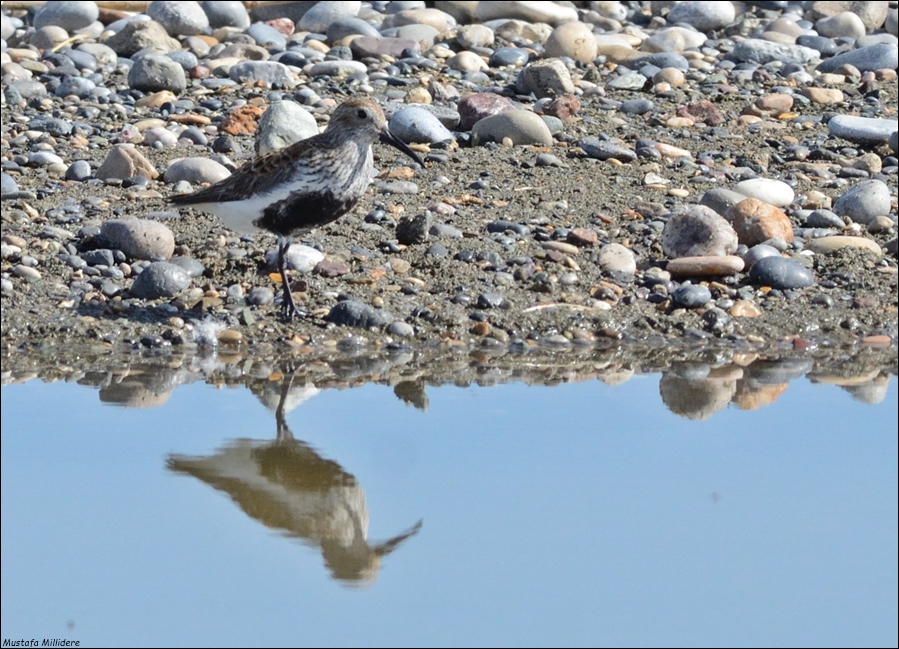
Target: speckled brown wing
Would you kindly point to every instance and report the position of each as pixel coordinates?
(257, 177)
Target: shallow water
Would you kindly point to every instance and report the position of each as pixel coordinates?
(730, 501)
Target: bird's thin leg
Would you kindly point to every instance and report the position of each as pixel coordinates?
(289, 309)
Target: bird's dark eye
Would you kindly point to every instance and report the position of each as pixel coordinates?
(362, 113)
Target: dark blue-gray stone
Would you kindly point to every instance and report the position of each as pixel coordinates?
(781, 273)
(606, 150)
(757, 252)
(501, 225)
(160, 279)
(99, 257)
(226, 14)
(823, 219)
(827, 46)
(267, 36)
(51, 125)
(508, 56)
(691, 296)
(436, 250)
(77, 86)
(661, 60)
(636, 106)
(260, 295)
(353, 313)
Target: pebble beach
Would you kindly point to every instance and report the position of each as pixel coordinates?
(596, 173)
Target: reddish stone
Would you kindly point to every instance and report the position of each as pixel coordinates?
(473, 108)
(243, 119)
(327, 268)
(563, 107)
(756, 221)
(583, 237)
(283, 25)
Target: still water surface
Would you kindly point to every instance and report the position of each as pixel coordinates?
(586, 513)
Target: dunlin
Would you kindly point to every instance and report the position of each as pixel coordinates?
(305, 185)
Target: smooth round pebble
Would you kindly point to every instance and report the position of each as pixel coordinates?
(691, 296)
(353, 313)
(862, 130)
(697, 231)
(773, 192)
(781, 273)
(520, 126)
(415, 124)
(196, 171)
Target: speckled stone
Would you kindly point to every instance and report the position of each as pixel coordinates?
(160, 279)
(520, 126)
(353, 313)
(756, 221)
(864, 201)
(139, 238)
(826, 245)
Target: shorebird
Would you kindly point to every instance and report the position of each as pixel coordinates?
(303, 186)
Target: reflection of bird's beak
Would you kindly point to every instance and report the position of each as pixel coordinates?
(389, 138)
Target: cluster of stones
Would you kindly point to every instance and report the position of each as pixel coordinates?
(92, 95)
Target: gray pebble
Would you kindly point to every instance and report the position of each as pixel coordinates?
(761, 51)
(606, 150)
(284, 123)
(68, 15)
(704, 16)
(545, 78)
(520, 126)
(513, 56)
(139, 238)
(862, 130)
(636, 106)
(320, 16)
(160, 279)
(51, 125)
(190, 265)
(864, 201)
(491, 301)
(179, 18)
(691, 296)
(79, 171)
(823, 219)
(8, 184)
(260, 296)
(299, 257)
(350, 26)
(226, 14)
(416, 124)
(401, 329)
(99, 257)
(721, 199)
(270, 73)
(873, 57)
(781, 273)
(267, 36)
(757, 252)
(353, 313)
(78, 86)
(154, 72)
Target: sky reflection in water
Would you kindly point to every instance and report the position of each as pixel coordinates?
(278, 510)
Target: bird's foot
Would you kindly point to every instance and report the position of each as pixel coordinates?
(289, 309)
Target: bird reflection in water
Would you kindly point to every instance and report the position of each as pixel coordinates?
(287, 486)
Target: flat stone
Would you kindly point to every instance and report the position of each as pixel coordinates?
(533, 12)
(826, 245)
(375, 47)
(874, 57)
(704, 16)
(606, 150)
(70, 16)
(416, 124)
(714, 266)
(862, 130)
(268, 73)
(320, 16)
(761, 51)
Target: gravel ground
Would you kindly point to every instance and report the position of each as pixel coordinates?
(538, 283)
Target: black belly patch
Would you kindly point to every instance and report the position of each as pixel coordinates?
(302, 212)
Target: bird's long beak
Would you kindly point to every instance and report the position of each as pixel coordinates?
(389, 138)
